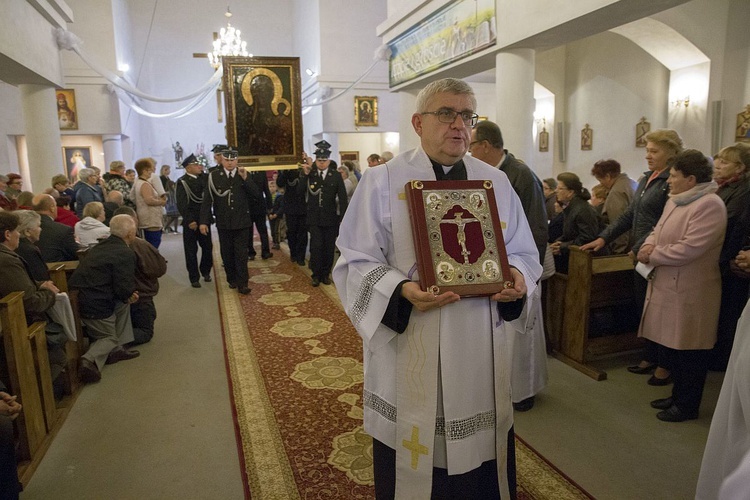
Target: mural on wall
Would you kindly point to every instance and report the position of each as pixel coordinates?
(263, 109)
(587, 138)
(743, 125)
(67, 111)
(365, 111)
(641, 129)
(458, 30)
(76, 158)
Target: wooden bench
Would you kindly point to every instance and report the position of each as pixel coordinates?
(30, 379)
(594, 286)
(59, 273)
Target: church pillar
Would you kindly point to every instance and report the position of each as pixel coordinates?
(44, 148)
(112, 145)
(514, 73)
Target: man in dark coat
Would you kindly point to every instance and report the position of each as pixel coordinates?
(294, 184)
(57, 241)
(190, 188)
(259, 209)
(326, 203)
(228, 195)
(106, 286)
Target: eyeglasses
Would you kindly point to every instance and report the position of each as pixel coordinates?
(447, 115)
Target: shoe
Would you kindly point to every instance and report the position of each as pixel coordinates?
(266, 256)
(121, 354)
(276, 246)
(207, 278)
(88, 372)
(251, 257)
(244, 290)
(674, 414)
(662, 404)
(642, 370)
(315, 282)
(659, 381)
(301, 262)
(524, 404)
(195, 284)
(232, 286)
(326, 280)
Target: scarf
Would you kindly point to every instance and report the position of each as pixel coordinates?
(692, 194)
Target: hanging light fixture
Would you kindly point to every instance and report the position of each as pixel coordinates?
(229, 43)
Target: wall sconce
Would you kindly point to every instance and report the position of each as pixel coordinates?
(685, 101)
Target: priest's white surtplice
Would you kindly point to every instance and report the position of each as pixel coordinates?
(439, 394)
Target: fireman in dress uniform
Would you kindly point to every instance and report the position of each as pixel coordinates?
(228, 195)
(190, 189)
(294, 183)
(326, 199)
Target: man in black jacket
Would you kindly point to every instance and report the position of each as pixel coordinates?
(326, 204)
(228, 195)
(57, 241)
(190, 188)
(259, 209)
(294, 184)
(105, 281)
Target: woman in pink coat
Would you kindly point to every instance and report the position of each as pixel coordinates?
(682, 303)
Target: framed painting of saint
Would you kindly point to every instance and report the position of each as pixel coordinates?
(365, 111)
(641, 129)
(587, 138)
(742, 132)
(76, 158)
(264, 110)
(67, 110)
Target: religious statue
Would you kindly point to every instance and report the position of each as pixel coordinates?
(742, 133)
(587, 138)
(641, 129)
(177, 153)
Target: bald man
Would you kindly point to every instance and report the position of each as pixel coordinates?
(57, 241)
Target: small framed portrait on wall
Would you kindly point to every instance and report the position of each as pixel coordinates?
(76, 158)
(742, 133)
(587, 138)
(544, 140)
(349, 156)
(365, 111)
(67, 110)
(641, 129)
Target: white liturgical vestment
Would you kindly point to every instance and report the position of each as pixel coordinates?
(439, 393)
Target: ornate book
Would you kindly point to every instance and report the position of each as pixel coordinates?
(458, 237)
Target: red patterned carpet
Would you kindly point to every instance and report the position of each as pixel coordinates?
(295, 368)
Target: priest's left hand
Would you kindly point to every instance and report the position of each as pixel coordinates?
(515, 293)
(424, 301)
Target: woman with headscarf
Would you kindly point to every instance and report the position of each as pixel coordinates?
(662, 147)
(681, 310)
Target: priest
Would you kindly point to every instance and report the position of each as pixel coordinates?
(437, 367)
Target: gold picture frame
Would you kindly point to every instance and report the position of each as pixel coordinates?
(544, 140)
(742, 131)
(263, 101)
(67, 109)
(365, 111)
(349, 156)
(587, 138)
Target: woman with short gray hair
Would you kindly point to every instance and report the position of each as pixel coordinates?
(87, 190)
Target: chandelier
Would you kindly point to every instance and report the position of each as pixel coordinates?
(228, 43)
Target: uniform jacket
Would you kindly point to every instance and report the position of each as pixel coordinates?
(322, 195)
(104, 278)
(263, 204)
(190, 196)
(294, 183)
(56, 241)
(14, 277)
(229, 199)
(682, 302)
(643, 212)
(150, 265)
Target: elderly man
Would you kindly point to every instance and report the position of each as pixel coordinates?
(106, 286)
(326, 199)
(57, 241)
(115, 200)
(529, 374)
(451, 431)
(228, 195)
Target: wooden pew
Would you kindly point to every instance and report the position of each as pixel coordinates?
(29, 379)
(59, 273)
(592, 284)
